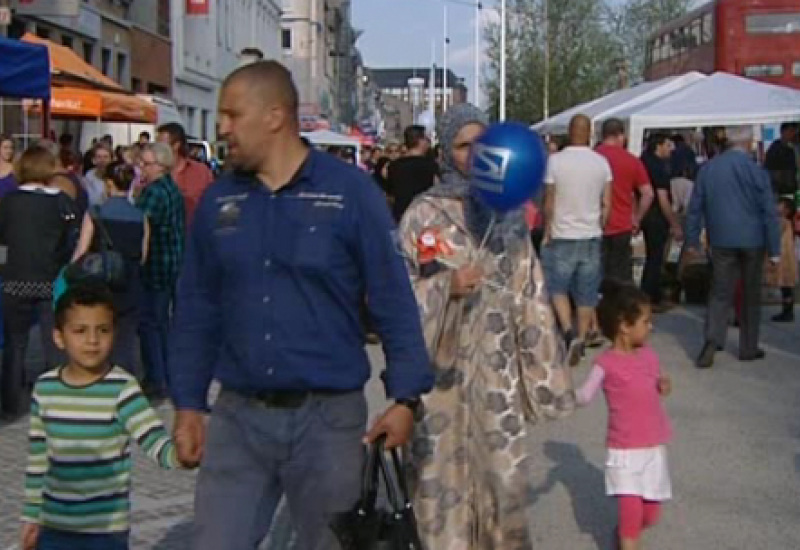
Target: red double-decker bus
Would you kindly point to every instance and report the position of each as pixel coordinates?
(759, 39)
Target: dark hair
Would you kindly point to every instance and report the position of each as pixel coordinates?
(788, 126)
(66, 140)
(789, 205)
(121, 174)
(613, 127)
(655, 141)
(176, 134)
(413, 135)
(621, 303)
(677, 138)
(86, 294)
(68, 158)
(144, 134)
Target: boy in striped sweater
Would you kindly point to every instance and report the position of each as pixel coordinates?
(83, 417)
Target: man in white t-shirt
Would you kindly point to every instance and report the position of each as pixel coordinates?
(577, 206)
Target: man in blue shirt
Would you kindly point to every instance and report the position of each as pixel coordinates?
(733, 198)
(281, 253)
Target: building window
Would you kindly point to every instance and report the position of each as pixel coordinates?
(755, 71)
(136, 85)
(122, 67)
(708, 28)
(773, 23)
(42, 32)
(105, 64)
(796, 68)
(66, 41)
(286, 39)
(88, 52)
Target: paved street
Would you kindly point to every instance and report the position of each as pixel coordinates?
(735, 460)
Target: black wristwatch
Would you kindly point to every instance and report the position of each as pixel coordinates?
(412, 403)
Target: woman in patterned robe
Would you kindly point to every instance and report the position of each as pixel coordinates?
(499, 361)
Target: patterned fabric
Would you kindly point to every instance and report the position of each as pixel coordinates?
(499, 364)
(162, 203)
(79, 461)
(28, 289)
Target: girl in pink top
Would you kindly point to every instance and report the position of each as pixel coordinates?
(638, 427)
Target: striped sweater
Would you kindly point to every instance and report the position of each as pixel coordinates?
(79, 463)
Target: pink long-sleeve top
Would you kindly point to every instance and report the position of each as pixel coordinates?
(636, 417)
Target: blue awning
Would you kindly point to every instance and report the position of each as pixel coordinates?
(24, 70)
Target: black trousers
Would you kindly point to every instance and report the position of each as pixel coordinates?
(656, 235)
(19, 315)
(618, 258)
(730, 264)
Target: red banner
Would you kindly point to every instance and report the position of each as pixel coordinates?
(197, 7)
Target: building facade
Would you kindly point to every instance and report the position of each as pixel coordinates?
(150, 39)
(318, 44)
(402, 104)
(207, 46)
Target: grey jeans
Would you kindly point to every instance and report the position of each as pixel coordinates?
(254, 455)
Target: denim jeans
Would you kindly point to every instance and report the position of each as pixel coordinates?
(153, 331)
(573, 268)
(50, 539)
(255, 454)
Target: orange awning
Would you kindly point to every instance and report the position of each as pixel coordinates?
(64, 62)
(87, 104)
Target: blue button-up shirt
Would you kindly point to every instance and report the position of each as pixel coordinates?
(733, 199)
(272, 285)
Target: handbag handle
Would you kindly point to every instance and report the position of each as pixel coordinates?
(94, 214)
(393, 476)
(369, 484)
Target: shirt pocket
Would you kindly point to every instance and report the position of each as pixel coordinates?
(310, 232)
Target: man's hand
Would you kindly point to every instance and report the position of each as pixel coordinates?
(30, 536)
(465, 281)
(398, 425)
(189, 434)
(664, 385)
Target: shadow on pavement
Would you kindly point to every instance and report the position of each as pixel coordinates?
(595, 513)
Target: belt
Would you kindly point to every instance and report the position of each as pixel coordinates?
(288, 399)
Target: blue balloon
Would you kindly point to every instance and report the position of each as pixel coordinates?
(508, 164)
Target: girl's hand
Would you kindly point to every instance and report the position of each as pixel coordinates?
(30, 536)
(664, 385)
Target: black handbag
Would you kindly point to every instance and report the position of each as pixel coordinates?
(106, 265)
(367, 527)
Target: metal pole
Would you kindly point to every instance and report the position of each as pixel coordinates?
(432, 86)
(502, 60)
(444, 73)
(546, 92)
(477, 79)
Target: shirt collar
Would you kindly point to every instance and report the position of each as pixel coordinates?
(303, 174)
(36, 188)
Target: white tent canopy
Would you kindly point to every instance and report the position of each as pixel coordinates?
(327, 137)
(608, 105)
(721, 99)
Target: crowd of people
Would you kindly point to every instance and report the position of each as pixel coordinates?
(269, 280)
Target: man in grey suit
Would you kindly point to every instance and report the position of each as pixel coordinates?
(733, 198)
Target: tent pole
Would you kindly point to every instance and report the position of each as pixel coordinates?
(46, 119)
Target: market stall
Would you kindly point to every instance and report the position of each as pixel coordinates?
(721, 99)
(24, 73)
(611, 104)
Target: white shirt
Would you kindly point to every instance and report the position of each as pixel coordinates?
(95, 188)
(579, 177)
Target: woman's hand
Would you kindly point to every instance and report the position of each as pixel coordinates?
(30, 536)
(465, 281)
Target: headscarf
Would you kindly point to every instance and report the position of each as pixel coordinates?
(454, 184)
